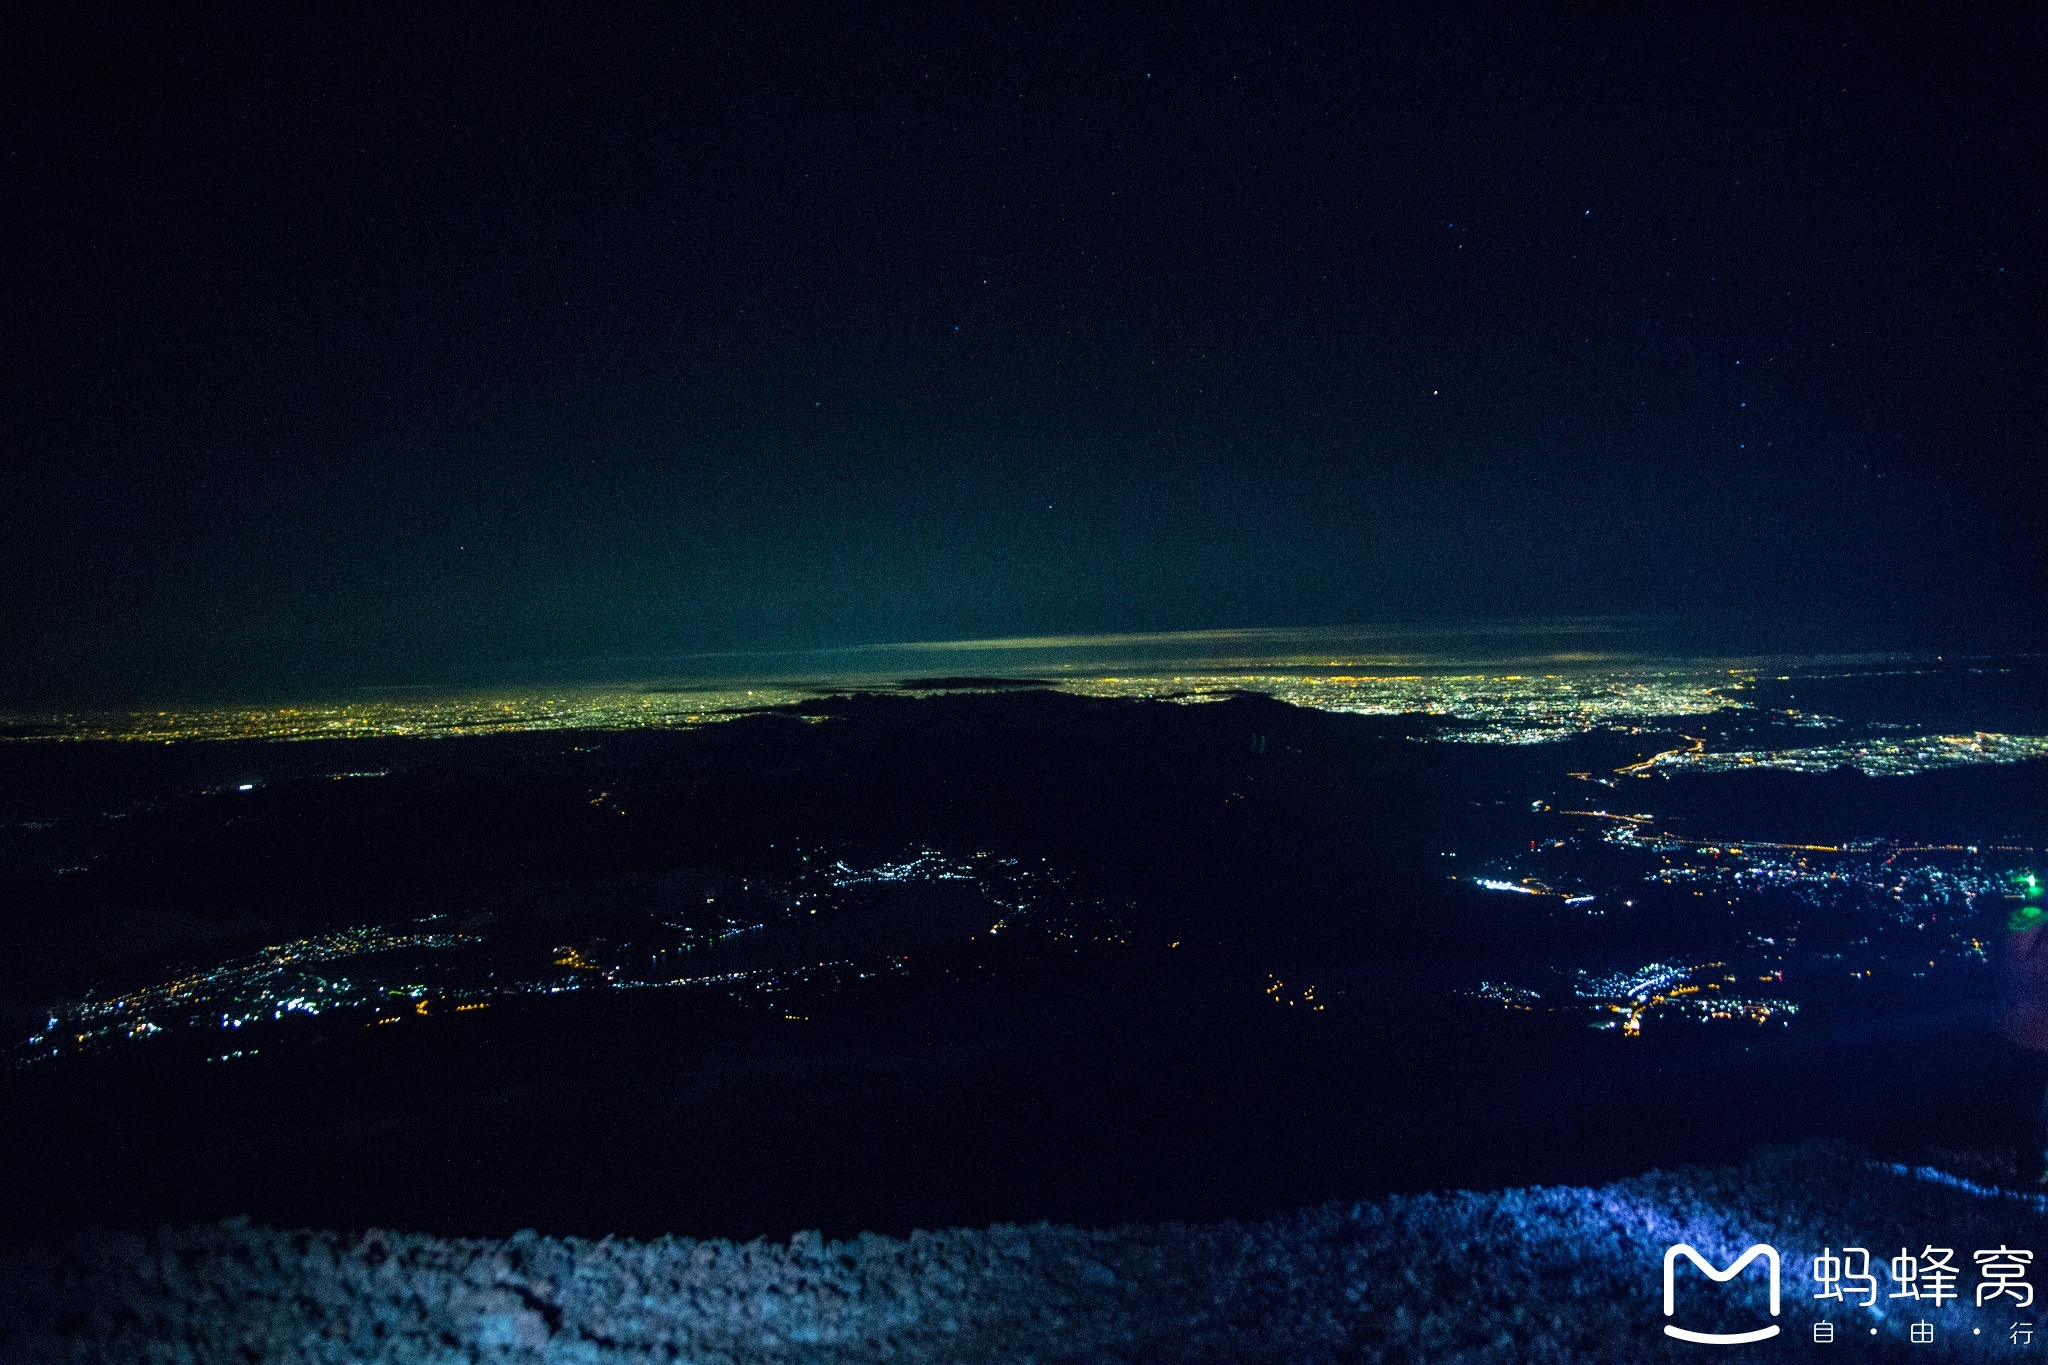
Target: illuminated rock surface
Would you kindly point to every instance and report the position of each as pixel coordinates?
(1541, 1274)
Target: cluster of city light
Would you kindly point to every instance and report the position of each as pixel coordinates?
(1695, 992)
(1637, 985)
(1881, 756)
(262, 986)
(1623, 1000)
(1906, 876)
(438, 717)
(1895, 910)
(1508, 996)
(1531, 886)
(1491, 708)
(1488, 708)
(1914, 878)
(276, 982)
(929, 865)
(1293, 997)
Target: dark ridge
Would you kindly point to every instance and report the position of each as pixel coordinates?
(967, 684)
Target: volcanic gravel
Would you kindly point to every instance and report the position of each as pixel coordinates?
(1527, 1275)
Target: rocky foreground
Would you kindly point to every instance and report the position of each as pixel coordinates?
(1529, 1275)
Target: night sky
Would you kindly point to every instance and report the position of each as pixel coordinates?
(356, 351)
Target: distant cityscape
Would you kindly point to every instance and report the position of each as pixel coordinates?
(440, 717)
(1467, 708)
(1496, 709)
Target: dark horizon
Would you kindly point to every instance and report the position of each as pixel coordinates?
(443, 350)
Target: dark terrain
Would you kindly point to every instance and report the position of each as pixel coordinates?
(1134, 1068)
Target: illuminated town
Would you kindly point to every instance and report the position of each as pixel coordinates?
(1498, 709)
(394, 973)
(1888, 911)
(1623, 1000)
(262, 987)
(1871, 757)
